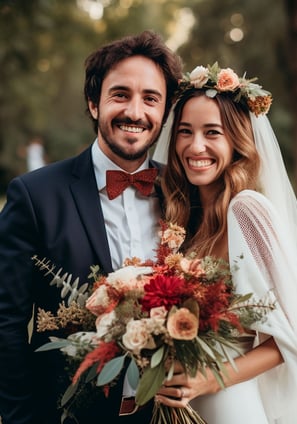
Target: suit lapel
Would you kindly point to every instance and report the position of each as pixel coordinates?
(86, 197)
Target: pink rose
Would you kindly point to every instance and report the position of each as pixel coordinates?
(227, 80)
(191, 267)
(103, 300)
(182, 324)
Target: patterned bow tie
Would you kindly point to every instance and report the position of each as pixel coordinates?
(118, 181)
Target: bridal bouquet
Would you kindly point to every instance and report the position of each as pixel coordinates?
(149, 315)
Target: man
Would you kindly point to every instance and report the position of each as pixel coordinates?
(62, 212)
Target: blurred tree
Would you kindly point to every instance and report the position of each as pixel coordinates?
(291, 8)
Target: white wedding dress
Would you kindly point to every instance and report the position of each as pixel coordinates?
(267, 262)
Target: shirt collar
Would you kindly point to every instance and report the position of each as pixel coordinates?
(102, 163)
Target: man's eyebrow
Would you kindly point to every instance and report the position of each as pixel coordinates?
(126, 88)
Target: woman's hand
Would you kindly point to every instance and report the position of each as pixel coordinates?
(182, 388)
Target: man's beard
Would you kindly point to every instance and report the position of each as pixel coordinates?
(121, 152)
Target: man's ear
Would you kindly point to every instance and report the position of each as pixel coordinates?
(93, 109)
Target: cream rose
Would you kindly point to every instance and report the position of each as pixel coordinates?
(199, 76)
(137, 336)
(127, 273)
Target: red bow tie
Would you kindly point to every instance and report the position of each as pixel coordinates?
(118, 181)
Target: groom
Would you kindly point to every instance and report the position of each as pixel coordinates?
(66, 213)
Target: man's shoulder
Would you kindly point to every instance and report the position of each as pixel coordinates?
(58, 169)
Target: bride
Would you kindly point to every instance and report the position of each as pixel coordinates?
(226, 183)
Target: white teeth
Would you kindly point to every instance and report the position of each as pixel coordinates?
(200, 163)
(131, 129)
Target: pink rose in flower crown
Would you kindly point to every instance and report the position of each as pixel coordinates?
(182, 324)
(227, 80)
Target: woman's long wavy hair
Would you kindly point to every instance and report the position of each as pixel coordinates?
(207, 227)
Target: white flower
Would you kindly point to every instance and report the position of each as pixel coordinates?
(104, 322)
(79, 340)
(199, 76)
(128, 273)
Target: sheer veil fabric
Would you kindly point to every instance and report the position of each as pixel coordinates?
(262, 242)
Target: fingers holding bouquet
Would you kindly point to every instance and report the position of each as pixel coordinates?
(181, 388)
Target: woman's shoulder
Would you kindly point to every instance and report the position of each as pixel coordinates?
(250, 199)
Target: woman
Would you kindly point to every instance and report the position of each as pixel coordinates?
(227, 184)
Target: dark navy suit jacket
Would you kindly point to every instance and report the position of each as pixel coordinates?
(53, 212)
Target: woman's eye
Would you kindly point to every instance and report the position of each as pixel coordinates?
(183, 131)
(213, 132)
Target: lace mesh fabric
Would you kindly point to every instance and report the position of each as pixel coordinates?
(257, 230)
(254, 222)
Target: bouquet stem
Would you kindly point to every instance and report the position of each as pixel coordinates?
(163, 414)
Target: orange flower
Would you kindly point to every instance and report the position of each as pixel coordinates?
(182, 324)
(227, 80)
(260, 104)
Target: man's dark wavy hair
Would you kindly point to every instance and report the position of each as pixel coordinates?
(148, 44)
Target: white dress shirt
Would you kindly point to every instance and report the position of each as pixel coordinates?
(131, 221)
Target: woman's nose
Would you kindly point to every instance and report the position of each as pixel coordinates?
(199, 143)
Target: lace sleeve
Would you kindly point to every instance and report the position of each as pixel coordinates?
(257, 230)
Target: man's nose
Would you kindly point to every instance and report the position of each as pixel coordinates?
(135, 109)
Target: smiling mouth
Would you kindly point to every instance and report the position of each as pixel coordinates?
(200, 163)
(129, 128)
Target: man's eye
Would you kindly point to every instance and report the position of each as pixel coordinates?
(120, 95)
(151, 99)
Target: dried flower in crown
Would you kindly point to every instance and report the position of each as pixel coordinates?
(215, 80)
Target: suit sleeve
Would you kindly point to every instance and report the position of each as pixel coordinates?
(18, 242)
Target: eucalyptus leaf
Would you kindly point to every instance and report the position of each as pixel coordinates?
(133, 374)
(92, 372)
(150, 382)
(110, 371)
(53, 345)
(69, 393)
(157, 357)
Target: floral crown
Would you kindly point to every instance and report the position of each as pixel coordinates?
(216, 80)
